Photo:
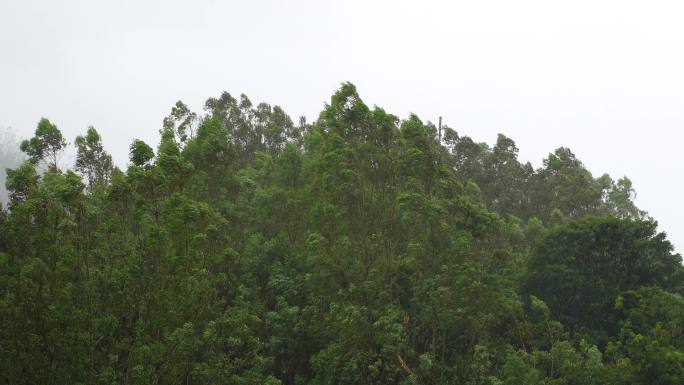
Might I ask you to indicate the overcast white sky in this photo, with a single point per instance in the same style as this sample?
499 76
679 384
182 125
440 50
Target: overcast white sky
605 78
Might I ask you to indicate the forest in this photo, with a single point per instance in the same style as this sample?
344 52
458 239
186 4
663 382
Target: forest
359 248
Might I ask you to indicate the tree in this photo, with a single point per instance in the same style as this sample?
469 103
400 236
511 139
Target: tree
181 122
505 180
648 348
140 153
357 249
20 182
91 158
580 268
46 145
565 184
619 197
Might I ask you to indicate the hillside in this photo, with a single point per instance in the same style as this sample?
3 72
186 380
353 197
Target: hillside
357 249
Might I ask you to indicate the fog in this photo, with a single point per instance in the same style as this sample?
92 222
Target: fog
601 77
10 157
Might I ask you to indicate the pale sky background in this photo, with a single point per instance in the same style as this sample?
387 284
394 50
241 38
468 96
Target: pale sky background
605 78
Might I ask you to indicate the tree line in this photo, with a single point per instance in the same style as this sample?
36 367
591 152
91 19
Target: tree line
357 249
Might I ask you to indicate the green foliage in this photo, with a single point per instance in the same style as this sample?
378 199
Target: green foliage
140 153
180 122
582 266
92 160
358 249
648 349
45 145
562 188
20 182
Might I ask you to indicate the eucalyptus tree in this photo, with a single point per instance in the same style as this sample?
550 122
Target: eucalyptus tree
356 249
92 160
45 146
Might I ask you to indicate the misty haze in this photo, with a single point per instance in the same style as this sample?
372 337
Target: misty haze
319 192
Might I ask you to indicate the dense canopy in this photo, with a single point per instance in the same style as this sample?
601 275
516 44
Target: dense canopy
361 248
